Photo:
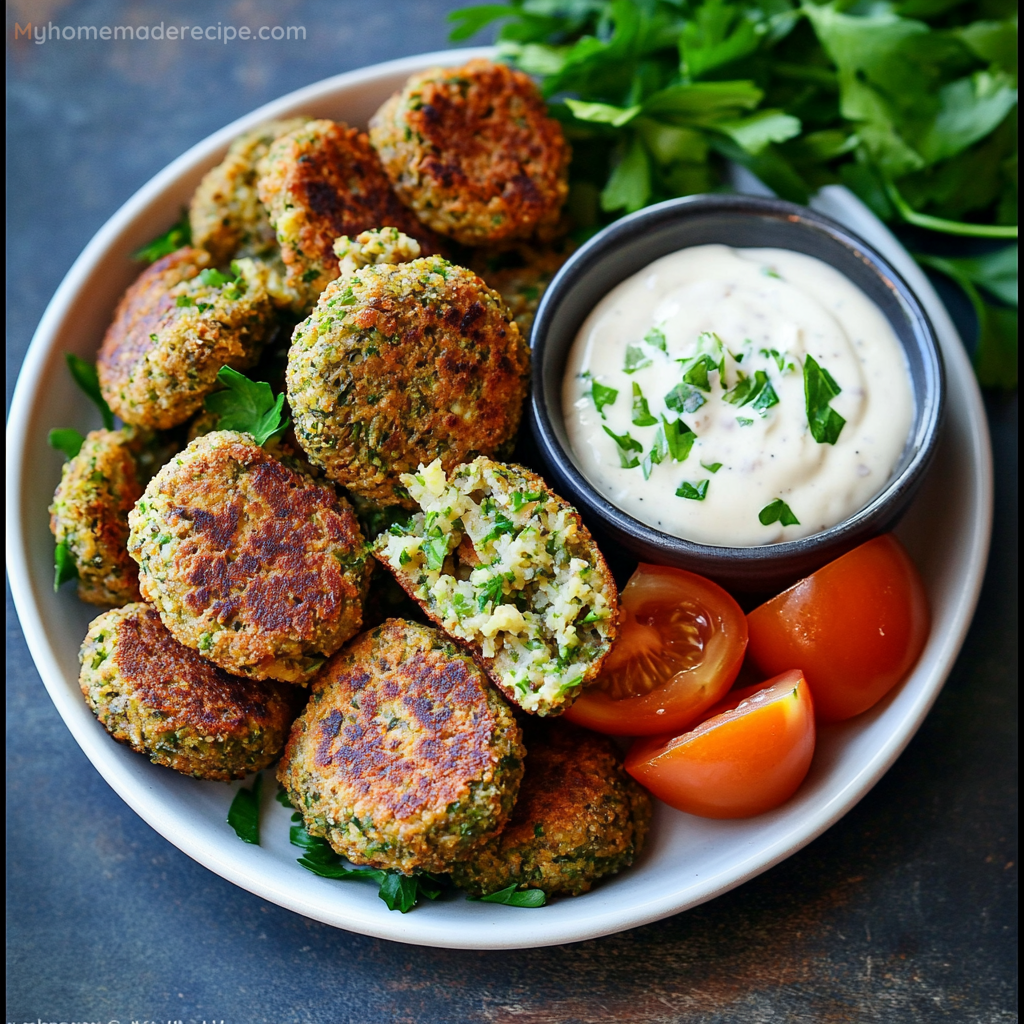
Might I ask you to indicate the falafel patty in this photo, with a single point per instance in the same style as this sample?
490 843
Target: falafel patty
165 701
473 152
405 757
226 215
503 564
249 561
89 514
175 327
579 817
322 181
399 365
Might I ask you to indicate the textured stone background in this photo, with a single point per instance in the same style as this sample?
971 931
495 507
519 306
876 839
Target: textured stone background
904 911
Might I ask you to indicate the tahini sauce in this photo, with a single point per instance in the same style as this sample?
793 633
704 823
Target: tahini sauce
755 301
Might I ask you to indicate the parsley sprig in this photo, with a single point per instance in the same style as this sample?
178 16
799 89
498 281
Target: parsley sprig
85 376
247 406
170 241
244 812
399 892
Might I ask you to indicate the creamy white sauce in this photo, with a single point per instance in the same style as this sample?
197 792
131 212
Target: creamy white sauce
754 301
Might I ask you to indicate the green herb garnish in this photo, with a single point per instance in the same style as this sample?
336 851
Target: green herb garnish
602 396
244 812
170 241
679 438
766 398
64 567
685 398
696 491
744 421
636 359
712 467
66 440
399 892
655 337
819 390
513 897
777 511
626 445
85 376
641 413
248 406
757 390
282 797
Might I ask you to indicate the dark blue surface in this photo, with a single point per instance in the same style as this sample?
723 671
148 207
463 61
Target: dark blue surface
904 911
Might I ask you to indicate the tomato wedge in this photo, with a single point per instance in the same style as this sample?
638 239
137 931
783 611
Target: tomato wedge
746 757
855 627
680 647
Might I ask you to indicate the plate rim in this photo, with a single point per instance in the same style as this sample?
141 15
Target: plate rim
243 866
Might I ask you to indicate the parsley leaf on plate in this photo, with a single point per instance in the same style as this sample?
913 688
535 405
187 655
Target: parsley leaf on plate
244 812
85 376
170 241
64 567
513 897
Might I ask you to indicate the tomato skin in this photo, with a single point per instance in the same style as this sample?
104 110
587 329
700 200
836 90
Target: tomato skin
855 627
683 697
738 761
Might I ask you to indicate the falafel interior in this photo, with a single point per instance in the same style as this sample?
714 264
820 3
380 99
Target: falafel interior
501 562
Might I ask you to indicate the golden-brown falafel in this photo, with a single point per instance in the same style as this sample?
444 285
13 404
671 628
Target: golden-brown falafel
399 365
165 701
226 215
322 181
404 758
248 560
579 817
89 514
175 327
473 152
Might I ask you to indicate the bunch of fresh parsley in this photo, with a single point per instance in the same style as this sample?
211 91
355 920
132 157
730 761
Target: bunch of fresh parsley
910 103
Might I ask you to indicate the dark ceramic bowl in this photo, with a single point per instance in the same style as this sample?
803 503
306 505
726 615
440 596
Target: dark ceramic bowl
633 242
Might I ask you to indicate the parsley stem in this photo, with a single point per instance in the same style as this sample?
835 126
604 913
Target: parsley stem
949 227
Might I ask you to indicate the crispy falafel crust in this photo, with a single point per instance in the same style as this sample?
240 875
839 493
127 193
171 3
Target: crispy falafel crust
226 216
404 757
579 817
322 181
402 364
473 152
89 514
165 701
248 560
159 359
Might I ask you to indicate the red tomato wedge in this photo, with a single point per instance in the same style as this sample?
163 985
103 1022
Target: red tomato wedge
855 628
748 756
680 646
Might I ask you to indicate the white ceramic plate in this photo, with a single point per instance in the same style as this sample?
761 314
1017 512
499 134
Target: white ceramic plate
689 860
